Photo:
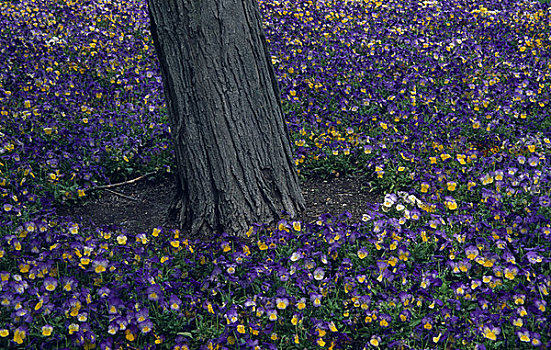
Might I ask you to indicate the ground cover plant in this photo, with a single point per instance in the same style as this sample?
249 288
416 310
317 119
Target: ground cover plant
443 106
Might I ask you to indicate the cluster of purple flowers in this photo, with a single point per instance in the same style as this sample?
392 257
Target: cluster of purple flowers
443 104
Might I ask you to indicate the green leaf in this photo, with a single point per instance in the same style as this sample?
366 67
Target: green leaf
185 334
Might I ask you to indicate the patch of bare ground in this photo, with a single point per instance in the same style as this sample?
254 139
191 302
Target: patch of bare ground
142 205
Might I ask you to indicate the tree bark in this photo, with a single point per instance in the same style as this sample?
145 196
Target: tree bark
234 161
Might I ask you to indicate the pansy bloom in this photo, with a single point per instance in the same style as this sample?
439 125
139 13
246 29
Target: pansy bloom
301 303
175 302
50 284
315 298
154 292
491 332
282 303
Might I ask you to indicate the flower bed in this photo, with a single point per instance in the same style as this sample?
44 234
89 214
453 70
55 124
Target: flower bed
443 106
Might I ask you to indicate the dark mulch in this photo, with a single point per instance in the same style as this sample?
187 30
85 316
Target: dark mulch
336 196
142 206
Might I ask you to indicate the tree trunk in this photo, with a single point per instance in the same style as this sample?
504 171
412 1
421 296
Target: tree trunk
233 152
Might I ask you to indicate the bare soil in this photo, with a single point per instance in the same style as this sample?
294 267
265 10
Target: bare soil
142 205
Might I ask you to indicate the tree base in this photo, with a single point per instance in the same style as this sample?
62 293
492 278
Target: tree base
205 221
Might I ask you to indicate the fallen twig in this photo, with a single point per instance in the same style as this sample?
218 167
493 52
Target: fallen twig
103 187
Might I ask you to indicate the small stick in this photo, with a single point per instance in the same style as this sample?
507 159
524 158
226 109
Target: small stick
120 194
103 187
